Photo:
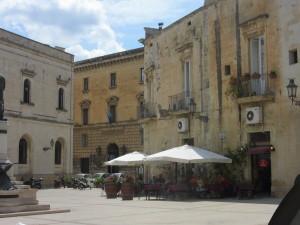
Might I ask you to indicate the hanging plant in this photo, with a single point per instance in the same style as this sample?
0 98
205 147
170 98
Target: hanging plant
234 88
246 77
255 76
273 74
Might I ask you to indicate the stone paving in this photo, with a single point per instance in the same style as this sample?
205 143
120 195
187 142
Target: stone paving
90 207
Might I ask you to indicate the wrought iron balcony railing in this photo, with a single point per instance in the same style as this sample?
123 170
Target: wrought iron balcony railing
181 102
255 87
146 111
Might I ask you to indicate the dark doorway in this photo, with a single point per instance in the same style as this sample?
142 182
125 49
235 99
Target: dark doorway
188 141
112 153
85 165
261 162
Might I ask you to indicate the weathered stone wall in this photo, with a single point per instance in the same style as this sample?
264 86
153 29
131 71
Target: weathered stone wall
212 37
126 131
48 69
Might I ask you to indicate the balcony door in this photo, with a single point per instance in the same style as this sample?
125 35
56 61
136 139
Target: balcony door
187 82
257 63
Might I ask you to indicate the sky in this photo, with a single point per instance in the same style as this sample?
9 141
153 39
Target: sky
90 28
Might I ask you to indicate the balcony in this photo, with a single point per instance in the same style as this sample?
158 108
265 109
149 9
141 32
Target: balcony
146 111
256 90
181 102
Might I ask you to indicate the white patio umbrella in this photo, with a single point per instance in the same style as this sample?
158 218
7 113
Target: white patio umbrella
187 154
130 159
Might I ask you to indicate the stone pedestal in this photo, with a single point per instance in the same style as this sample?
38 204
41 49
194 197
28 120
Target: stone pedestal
22 198
3 139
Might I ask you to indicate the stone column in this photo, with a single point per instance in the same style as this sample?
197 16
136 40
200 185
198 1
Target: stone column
3 140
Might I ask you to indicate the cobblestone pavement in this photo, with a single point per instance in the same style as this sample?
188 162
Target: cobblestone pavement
90 207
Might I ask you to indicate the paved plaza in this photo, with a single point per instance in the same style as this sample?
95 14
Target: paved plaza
90 207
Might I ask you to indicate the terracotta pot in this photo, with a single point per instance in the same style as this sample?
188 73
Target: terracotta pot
273 75
127 191
111 190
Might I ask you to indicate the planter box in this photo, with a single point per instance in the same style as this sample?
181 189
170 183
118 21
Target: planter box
127 191
111 190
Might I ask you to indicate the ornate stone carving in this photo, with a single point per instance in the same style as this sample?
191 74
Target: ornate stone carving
112 100
85 104
28 73
61 81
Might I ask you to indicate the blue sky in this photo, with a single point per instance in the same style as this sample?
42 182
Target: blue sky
90 28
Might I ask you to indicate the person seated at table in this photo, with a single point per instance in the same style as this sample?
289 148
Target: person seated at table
153 180
193 182
161 179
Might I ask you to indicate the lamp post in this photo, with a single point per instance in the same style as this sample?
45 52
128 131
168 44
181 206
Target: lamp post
292 90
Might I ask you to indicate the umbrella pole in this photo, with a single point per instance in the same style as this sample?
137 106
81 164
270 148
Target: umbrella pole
176 165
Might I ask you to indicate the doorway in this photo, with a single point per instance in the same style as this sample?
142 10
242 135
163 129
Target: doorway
112 153
85 165
261 162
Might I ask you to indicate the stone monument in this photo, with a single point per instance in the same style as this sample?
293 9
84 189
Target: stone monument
13 198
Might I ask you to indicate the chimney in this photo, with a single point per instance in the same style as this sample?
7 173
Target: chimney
160 25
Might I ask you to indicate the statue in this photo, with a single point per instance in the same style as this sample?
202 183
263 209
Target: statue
2 87
5 182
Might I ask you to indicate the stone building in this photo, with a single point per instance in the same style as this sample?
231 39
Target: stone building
108 102
217 78
38 107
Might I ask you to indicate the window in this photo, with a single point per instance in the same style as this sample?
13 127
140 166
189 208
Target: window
26 93
61 99
257 55
187 79
58 151
142 75
142 135
85 84
257 66
113 80
84 140
293 56
23 147
112 114
85 116
227 70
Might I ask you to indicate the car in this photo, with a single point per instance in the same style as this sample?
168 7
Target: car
100 175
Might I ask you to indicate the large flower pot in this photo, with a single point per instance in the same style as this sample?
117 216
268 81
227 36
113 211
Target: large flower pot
127 191
111 190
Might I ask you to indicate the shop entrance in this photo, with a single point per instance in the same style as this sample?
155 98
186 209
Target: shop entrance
260 152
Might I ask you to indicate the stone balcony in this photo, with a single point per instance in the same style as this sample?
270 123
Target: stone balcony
254 91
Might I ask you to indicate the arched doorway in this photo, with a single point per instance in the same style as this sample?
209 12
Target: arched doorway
112 153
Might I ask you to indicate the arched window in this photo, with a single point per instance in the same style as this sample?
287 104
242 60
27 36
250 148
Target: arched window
23 147
58 151
26 94
61 98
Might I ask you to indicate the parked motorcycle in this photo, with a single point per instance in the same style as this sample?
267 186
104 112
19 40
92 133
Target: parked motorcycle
34 183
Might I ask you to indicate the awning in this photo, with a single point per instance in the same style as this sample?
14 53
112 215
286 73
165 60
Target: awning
260 149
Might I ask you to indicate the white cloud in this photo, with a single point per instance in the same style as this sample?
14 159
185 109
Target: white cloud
84 27
80 26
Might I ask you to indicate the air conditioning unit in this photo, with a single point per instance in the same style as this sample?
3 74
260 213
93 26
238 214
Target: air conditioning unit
253 115
182 125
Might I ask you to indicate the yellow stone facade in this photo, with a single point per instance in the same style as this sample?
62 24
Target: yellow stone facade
125 93
216 46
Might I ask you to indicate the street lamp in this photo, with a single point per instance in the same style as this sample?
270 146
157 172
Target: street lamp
292 90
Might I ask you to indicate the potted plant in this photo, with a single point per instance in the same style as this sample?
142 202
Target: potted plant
246 77
234 89
111 187
273 74
255 76
127 188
